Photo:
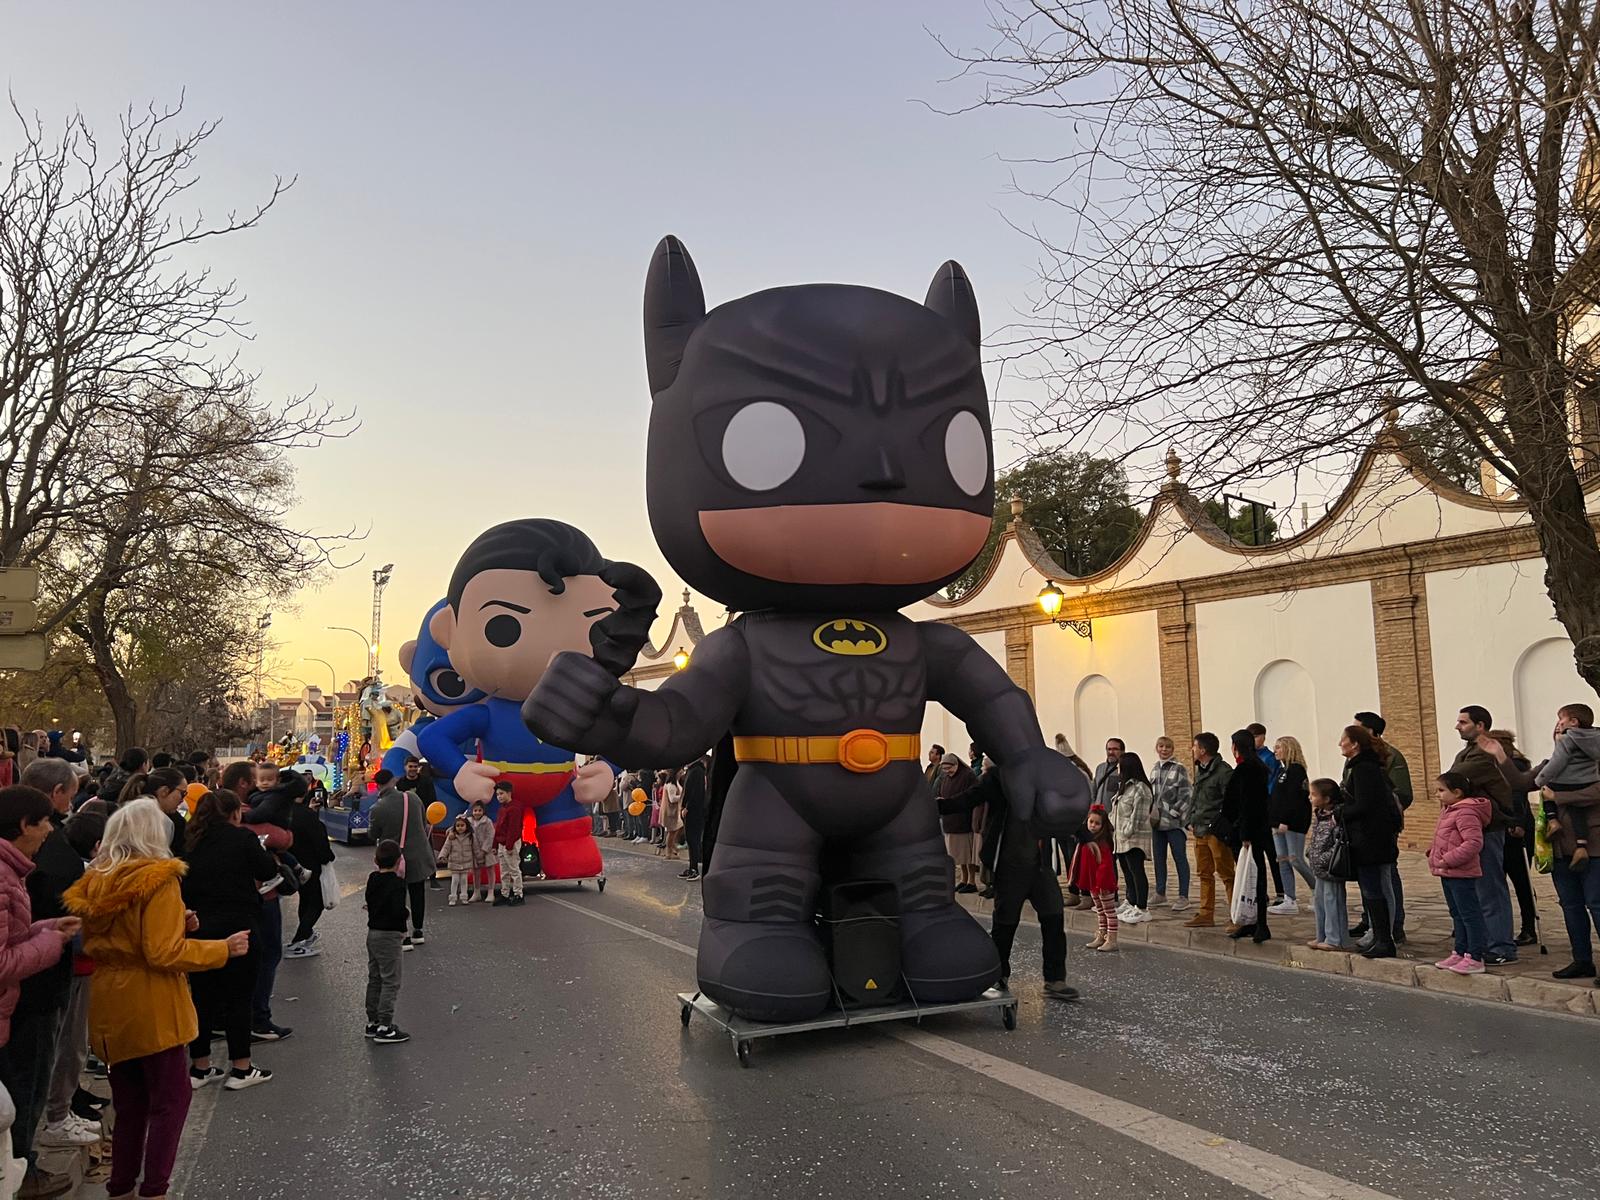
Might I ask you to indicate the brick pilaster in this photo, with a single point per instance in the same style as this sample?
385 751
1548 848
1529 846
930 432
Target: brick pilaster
1405 690
1180 673
1019 657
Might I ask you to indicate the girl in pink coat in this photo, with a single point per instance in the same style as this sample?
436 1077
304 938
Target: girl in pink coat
1453 857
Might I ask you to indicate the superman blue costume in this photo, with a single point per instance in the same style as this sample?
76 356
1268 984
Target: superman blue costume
440 690
540 776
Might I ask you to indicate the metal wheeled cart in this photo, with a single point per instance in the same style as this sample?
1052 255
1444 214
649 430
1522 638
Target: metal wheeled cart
540 883
742 1032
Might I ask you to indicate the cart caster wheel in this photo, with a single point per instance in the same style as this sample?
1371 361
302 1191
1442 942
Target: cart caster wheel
600 883
1008 1016
742 1049
683 1015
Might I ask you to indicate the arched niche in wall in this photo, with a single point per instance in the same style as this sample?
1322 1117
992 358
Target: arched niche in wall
1094 717
1286 703
1544 679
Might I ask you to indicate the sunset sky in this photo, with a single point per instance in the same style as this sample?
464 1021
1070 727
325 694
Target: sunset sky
479 190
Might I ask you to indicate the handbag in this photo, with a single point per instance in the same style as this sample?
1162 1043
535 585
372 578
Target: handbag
1243 908
330 886
1340 864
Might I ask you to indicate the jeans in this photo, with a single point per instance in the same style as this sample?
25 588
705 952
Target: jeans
1579 893
383 974
1517 873
268 940
1212 855
1291 848
1494 897
26 1064
1177 841
1327 898
222 1000
1466 916
151 1096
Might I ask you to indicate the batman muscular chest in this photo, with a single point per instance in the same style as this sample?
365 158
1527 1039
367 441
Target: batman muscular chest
825 673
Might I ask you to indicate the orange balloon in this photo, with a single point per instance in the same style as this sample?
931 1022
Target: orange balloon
637 807
638 797
436 812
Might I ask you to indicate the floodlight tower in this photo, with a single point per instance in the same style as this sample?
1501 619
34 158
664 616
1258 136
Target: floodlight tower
380 580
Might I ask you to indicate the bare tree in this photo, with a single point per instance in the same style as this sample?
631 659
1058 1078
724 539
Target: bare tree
136 454
1283 223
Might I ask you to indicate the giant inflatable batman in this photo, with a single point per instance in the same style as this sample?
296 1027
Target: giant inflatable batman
819 457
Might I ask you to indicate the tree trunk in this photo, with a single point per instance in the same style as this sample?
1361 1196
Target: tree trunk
93 631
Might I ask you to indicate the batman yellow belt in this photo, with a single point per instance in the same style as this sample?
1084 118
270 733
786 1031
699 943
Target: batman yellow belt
861 750
529 768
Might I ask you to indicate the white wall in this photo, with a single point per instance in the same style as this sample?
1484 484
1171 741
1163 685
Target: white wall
939 724
1109 686
1491 629
1245 643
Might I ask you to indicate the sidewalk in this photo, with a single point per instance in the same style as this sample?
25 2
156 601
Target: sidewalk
1526 982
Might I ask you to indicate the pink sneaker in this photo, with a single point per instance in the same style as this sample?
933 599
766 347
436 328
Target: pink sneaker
1468 966
1449 964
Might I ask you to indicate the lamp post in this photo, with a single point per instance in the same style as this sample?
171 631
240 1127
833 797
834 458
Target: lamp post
333 676
365 641
680 660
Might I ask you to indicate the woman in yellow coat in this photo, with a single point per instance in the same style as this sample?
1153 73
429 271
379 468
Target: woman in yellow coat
141 1019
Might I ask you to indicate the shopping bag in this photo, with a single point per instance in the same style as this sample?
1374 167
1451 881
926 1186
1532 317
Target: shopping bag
330 886
1543 853
1243 909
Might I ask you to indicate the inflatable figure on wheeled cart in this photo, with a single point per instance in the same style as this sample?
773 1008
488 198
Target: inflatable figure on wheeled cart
818 458
522 592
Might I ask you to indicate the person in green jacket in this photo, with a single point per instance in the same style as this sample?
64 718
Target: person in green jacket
1213 854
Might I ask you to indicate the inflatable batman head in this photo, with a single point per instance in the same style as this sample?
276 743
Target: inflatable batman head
818 446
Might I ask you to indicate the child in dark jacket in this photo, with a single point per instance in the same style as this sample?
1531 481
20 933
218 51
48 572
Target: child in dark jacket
386 930
1094 871
1453 857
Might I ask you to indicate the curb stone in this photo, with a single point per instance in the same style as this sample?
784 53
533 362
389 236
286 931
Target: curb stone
1481 987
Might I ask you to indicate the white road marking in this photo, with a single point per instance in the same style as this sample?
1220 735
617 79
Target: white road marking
1258 1171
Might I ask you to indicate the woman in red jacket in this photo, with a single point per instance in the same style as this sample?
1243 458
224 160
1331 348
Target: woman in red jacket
1094 872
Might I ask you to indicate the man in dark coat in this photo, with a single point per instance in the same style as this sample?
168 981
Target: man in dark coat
1020 863
694 814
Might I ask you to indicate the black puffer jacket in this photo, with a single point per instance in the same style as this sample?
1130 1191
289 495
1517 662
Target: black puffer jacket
1371 815
1008 843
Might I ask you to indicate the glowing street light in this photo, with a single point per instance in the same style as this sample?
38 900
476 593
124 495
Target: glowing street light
680 660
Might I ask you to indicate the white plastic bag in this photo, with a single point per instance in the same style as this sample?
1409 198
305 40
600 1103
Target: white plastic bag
330 886
1243 909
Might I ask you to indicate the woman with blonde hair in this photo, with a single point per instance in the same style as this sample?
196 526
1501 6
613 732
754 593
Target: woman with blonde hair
141 1019
1289 811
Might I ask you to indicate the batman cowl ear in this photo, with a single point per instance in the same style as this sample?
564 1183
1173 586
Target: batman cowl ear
674 303
950 295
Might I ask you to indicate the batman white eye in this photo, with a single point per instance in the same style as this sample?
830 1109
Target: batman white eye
966 450
763 446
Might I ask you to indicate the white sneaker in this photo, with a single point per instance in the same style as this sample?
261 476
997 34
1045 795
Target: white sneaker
1125 912
1181 905
70 1132
450 903
305 949
255 1075
1143 916
1283 908
468 899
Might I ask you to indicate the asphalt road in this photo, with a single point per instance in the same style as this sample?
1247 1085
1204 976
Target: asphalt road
548 1060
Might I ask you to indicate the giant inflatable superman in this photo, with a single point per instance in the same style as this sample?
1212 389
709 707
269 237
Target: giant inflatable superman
523 592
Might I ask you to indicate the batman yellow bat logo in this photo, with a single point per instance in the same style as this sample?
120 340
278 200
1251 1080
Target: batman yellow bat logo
844 636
